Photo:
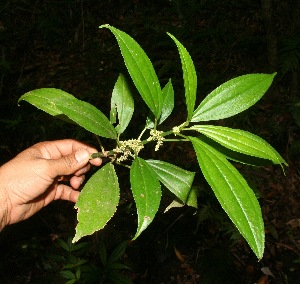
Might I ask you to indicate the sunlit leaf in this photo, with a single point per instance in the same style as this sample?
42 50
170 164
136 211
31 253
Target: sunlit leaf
177 180
146 192
189 77
97 201
240 141
232 97
233 193
123 103
57 102
140 69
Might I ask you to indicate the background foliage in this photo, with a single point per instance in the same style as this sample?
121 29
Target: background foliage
58 44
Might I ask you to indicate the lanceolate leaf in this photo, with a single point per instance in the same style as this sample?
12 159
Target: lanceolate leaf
97 201
47 99
89 117
122 101
57 102
168 101
233 97
146 192
233 193
189 77
240 141
233 155
177 180
168 105
140 69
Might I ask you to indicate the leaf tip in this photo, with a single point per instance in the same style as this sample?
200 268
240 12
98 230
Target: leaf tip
76 238
104 26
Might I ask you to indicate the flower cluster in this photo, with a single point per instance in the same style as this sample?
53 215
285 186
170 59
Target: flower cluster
128 148
176 130
155 135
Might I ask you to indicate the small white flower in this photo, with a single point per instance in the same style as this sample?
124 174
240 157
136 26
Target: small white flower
176 130
128 148
156 135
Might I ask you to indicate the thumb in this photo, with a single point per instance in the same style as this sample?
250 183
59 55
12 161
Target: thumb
71 163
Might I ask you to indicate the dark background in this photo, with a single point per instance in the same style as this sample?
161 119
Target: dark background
58 44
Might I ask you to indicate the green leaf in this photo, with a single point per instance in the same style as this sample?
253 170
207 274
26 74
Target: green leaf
177 180
78 273
189 77
102 252
233 193
168 106
122 102
233 97
97 201
67 274
168 102
192 198
240 141
46 99
235 156
146 192
140 69
63 244
114 277
88 117
71 281
117 253
57 102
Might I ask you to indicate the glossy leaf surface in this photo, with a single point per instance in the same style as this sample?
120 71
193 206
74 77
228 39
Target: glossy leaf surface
140 69
122 102
240 141
189 77
146 192
57 102
177 180
97 201
233 97
232 191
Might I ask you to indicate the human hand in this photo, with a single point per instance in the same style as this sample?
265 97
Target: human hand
37 176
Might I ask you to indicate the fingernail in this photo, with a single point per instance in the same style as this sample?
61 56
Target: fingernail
82 155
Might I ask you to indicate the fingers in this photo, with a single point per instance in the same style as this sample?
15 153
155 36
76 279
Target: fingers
65 192
59 148
68 164
76 182
83 170
66 156
96 162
